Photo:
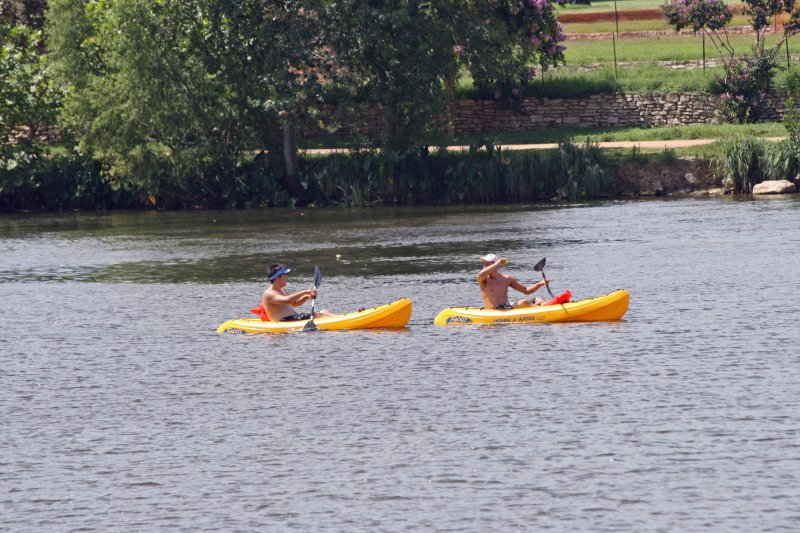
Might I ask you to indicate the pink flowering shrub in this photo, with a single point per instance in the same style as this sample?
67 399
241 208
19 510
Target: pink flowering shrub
534 43
744 88
697 14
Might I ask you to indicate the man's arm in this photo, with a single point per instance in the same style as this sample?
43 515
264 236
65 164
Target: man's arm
301 297
526 289
294 299
491 268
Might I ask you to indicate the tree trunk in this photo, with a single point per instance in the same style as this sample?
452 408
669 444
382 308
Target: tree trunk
291 177
389 128
450 90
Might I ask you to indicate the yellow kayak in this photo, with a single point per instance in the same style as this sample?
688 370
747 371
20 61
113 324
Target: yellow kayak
611 306
393 315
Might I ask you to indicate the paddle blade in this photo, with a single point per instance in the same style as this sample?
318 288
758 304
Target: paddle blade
310 326
538 267
317 277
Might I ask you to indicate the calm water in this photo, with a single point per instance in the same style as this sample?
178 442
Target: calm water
122 410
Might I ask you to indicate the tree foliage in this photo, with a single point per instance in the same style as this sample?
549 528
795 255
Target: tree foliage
503 43
403 55
28 13
166 91
28 102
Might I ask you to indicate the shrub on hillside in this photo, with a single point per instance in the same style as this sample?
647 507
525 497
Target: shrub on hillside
786 156
744 88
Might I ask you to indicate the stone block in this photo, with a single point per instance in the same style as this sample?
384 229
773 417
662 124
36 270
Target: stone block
775 187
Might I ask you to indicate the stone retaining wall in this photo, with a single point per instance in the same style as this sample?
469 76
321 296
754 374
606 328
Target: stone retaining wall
643 110
597 111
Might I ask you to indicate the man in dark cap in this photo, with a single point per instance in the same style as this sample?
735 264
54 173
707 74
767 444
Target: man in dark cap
279 304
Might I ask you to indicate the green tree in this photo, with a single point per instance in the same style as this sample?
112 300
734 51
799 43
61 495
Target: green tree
404 56
399 54
165 92
142 98
169 91
28 102
277 59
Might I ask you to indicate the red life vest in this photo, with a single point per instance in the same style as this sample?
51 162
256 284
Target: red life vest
261 312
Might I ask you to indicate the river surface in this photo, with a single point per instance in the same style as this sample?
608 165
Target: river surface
121 409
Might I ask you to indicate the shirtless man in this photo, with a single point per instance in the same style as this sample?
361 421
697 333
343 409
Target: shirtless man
279 304
494 285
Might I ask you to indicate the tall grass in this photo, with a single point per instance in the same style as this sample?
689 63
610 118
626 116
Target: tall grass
482 174
743 162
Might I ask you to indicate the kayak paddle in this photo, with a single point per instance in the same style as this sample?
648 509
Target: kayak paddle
310 326
539 267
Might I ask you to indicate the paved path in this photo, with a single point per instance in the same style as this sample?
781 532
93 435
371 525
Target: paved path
675 143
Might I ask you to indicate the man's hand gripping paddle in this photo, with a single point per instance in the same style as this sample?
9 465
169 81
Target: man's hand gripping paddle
539 267
310 326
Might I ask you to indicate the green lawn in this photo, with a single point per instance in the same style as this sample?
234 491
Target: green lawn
693 131
649 49
574 82
607 26
599 6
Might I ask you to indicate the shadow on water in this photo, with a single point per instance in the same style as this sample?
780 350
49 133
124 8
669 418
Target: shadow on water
220 247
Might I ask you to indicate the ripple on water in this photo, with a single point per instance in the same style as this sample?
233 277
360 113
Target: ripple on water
123 410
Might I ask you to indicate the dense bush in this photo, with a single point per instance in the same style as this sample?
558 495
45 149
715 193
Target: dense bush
59 182
482 174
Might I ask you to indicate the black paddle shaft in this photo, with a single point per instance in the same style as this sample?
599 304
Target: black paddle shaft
310 326
539 267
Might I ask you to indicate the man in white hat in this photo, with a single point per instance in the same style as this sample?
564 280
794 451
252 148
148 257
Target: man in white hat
494 285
